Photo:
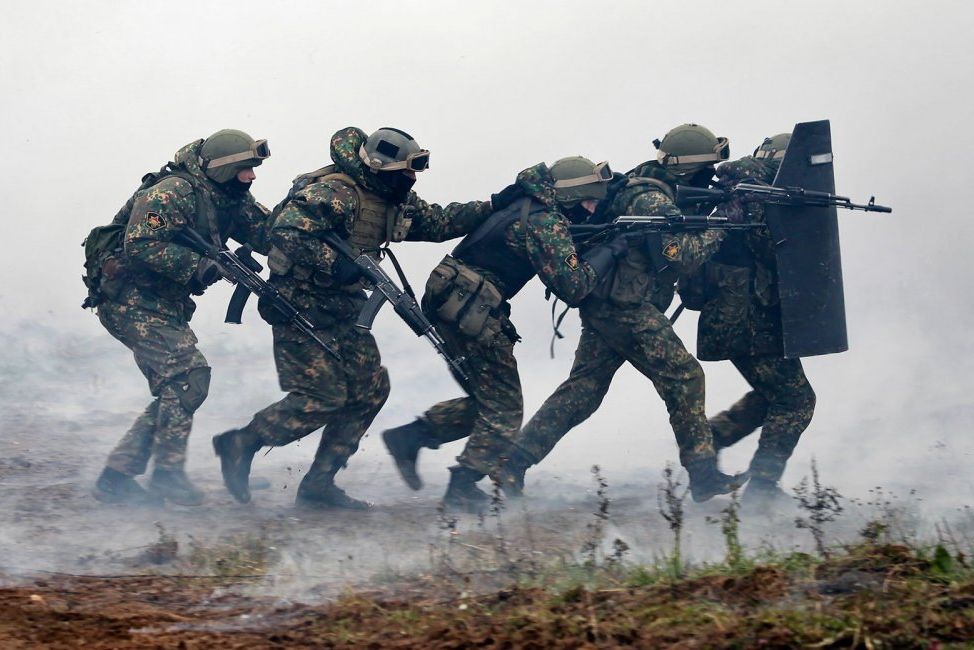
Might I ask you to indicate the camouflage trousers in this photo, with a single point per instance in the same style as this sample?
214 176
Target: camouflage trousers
341 396
612 336
178 375
781 403
491 413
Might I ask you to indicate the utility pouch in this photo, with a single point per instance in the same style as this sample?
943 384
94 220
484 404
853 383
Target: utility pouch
462 289
474 320
631 284
441 279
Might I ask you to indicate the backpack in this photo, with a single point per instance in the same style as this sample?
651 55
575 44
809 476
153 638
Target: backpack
105 243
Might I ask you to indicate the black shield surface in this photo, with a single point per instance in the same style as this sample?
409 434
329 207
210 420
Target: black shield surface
807 249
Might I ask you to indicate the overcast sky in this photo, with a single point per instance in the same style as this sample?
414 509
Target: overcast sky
95 94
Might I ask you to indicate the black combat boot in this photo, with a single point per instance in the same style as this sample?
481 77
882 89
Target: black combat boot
113 486
320 493
510 475
174 485
707 481
236 449
404 444
463 494
764 494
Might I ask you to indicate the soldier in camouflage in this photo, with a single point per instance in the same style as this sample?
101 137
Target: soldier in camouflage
366 197
623 321
740 320
144 302
467 298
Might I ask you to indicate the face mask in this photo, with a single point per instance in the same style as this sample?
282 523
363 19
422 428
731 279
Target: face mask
576 213
398 183
233 187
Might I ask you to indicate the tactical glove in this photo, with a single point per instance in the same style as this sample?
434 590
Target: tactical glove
207 273
344 272
506 196
603 258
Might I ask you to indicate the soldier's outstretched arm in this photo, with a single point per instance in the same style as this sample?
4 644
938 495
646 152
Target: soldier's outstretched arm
158 215
252 226
433 222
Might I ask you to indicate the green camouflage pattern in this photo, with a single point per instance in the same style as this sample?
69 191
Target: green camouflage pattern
741 314
150 305
634 330
492 412
781 402
741 321
155 272
341 396
165 351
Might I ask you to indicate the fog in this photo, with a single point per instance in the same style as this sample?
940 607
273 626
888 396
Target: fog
96 94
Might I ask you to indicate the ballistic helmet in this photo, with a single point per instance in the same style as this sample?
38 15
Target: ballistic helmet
773 148
578 178
390 149
225 153
690 147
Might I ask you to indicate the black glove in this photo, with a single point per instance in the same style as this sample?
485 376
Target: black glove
344 272
603 258
506 196
207 273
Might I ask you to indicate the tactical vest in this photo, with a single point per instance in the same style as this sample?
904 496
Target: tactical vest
487 249
643 273
376 223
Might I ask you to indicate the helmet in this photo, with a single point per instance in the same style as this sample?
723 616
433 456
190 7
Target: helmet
578 178
773 148
390 149
228 151
690 147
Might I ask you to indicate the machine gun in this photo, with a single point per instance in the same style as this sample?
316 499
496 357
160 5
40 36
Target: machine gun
687 195
638 224
242 270
403 302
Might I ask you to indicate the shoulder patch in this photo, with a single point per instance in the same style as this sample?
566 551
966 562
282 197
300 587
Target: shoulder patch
672 251
572 261
154 220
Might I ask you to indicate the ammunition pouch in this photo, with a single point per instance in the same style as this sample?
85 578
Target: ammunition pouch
463 296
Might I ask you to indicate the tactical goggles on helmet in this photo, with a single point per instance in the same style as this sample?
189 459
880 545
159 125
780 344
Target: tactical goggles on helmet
721 152
258 151
767 150
415 162
601 173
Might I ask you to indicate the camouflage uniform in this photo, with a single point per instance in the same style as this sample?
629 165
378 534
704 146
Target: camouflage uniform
740 320
148 304
535 241
624 321
341 396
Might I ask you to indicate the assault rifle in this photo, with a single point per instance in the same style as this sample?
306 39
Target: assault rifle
686 195
404 302
242 270
637 224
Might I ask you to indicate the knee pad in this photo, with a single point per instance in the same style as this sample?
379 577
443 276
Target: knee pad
192 388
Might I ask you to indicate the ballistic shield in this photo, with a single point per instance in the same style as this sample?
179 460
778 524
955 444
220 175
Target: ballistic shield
807 248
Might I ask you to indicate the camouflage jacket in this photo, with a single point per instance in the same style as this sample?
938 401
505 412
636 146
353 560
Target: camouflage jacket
155 273
302 264
650 269
740 316
539 243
